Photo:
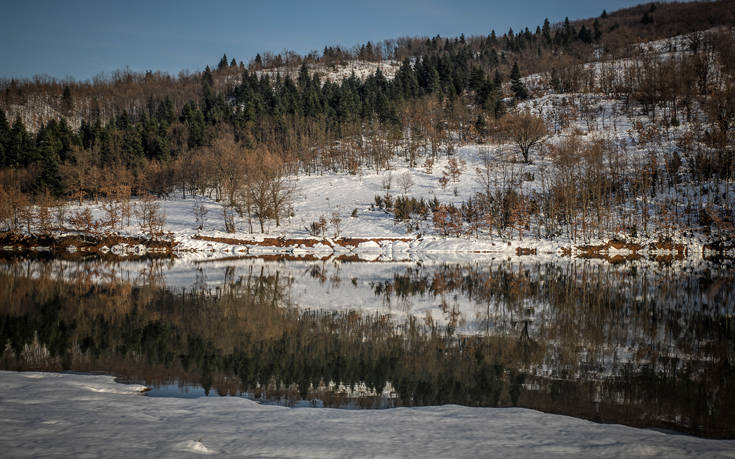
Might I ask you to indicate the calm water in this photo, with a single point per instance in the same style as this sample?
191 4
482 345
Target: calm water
639 344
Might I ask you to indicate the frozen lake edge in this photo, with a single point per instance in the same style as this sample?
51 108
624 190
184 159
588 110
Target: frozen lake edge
62 415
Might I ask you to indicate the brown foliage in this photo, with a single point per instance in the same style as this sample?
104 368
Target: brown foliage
524 130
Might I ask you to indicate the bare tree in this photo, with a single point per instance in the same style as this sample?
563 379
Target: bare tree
281 189
270 191
150 216
45 203
83 222
525 131
200 213
231 166
336 222
405 181
485 175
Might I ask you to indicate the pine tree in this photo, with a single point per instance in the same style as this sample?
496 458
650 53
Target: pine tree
585 35
4 134
303 78
19 150
477 75
497 79
207 78
546 31
222 62
66 100
48 148
596 32
516 85
480 125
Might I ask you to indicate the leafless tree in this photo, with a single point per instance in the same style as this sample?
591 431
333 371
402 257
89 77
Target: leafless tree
405 181
151 218
525 131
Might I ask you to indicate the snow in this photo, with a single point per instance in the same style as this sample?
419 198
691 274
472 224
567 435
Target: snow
72 415
338 72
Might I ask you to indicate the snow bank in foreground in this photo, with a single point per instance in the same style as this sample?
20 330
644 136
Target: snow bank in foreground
64 415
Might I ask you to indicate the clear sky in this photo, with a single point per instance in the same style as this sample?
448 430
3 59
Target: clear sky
82 38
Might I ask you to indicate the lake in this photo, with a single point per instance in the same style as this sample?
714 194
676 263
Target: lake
638 343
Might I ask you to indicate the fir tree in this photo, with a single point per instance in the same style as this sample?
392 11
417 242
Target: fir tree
222 62
4 133
596 32
497 79
66 100
546 31
585 35
516 85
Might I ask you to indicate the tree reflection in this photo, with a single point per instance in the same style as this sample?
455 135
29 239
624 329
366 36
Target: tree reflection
644 346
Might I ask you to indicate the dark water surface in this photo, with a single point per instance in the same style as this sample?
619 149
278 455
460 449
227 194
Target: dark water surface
639 344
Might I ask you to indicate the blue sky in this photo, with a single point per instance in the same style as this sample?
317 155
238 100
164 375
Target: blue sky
83 38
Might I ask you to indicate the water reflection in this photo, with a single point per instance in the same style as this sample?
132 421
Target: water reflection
639 344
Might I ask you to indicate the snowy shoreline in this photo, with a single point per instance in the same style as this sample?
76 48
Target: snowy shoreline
363 248
68 415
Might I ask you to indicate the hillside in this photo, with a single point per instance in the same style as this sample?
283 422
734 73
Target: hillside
40 99
451 150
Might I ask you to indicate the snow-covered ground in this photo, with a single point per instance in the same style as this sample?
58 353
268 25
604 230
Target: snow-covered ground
351 199
69 415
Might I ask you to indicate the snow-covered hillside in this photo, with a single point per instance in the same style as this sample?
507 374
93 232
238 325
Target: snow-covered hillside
338 72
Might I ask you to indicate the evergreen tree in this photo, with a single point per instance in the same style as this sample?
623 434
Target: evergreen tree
4 135
196 129
596 32
546 31
66 101
207 78
303 78
477 75
516 85
48 147
480 125
584 35
222 62
19 151
497 79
